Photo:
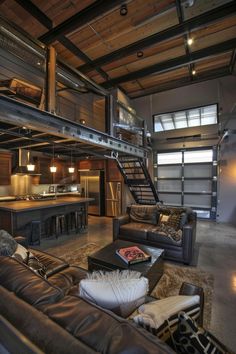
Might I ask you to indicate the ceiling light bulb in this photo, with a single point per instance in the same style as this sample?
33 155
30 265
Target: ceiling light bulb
53 169
193 72
123 10
30 167
190 41
71 169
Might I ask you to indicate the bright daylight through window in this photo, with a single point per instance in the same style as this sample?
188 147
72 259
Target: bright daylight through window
186 119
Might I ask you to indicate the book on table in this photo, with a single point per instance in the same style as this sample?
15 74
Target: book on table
132 255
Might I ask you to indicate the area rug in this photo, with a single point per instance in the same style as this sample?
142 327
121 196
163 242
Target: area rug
170 283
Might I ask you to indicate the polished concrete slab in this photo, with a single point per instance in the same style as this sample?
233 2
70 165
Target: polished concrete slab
216 245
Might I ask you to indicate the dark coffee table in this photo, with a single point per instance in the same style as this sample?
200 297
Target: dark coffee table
107 259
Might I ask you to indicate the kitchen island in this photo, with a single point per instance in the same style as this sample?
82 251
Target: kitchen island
16 216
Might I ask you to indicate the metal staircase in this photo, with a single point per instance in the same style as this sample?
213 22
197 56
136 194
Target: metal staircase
138 179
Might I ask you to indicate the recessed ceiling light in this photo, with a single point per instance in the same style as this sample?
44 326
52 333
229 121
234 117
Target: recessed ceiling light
123 10
193 72
190 41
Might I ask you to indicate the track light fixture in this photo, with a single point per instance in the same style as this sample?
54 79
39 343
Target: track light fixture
140 54
53 168
123 10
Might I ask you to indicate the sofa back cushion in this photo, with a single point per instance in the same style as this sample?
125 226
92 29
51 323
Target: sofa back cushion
29 286
43 332
144 213
101 329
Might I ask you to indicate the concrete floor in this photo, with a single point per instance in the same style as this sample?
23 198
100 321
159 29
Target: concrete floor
216 244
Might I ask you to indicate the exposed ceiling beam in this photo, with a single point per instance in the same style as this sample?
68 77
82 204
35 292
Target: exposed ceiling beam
80 19
34 11
210 75
172 32
174 63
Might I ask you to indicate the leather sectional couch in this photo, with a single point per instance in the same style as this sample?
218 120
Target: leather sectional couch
149 225
50 313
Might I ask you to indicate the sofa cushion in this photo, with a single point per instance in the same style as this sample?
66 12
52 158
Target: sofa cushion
101 329
52 263
135 230
146 214
119 291
29 286
67 278
41 330
160 236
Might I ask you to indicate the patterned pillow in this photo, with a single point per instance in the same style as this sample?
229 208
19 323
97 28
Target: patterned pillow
189 338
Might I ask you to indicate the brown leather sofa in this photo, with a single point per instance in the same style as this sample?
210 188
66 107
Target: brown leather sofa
147 231
52 316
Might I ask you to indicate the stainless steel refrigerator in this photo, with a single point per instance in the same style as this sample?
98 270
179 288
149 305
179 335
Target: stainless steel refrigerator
113 198
92 185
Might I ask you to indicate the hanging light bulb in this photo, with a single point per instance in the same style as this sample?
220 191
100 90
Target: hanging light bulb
53 168
71 169
30 166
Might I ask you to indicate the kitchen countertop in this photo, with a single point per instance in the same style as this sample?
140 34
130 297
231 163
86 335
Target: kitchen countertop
24 205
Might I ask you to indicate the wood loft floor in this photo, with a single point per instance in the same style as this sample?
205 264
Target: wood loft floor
216 245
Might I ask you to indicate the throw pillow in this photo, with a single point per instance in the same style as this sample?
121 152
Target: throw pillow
7 244
22 253
144 213
119 291
189 338
155 313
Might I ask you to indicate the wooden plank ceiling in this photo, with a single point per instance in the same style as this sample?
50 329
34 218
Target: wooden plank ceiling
142 52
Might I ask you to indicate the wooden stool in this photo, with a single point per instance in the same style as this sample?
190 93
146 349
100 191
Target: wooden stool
58 224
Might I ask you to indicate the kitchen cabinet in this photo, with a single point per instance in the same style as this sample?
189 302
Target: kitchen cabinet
91 164
113 173
62 176
6 165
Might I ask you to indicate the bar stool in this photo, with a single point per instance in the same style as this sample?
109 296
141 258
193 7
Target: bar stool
35 232
58 224
75 220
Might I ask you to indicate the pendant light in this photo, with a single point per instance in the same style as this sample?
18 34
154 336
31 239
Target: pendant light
30 166
53 168
71 169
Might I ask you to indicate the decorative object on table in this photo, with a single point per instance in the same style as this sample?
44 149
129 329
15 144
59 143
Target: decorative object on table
119 291
132 255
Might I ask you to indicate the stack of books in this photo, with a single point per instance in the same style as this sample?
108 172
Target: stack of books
132 255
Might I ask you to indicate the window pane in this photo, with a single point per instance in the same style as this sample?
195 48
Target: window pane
198 156
169 171
194 118
184 119
180 120
209 115
169 158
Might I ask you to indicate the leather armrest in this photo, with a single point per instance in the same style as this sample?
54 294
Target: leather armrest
191 289
117 222
189 237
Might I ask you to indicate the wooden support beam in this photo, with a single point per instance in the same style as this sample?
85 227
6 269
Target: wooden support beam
50 102
80 19
175 31
174 63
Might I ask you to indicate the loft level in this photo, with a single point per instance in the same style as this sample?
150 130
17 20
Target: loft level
18 114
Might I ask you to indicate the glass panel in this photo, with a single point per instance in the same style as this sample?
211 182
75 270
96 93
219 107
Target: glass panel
169 158
171 199
169 186
169 171
184 119
167 122
158 126
198 186
200 201
204 214
198 171
198 156
209 115
193 117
